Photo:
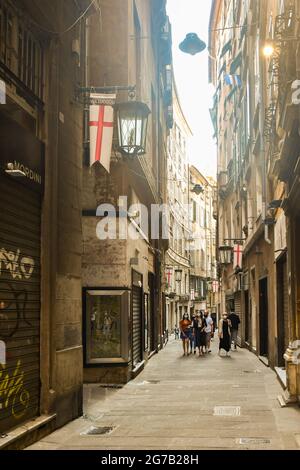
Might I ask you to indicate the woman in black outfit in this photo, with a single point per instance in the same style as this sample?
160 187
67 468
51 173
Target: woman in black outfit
196 332
202 335
224 334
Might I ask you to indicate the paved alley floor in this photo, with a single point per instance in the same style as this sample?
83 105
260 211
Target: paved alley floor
186 403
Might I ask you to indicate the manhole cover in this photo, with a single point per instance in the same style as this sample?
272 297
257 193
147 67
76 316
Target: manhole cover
227 411
253 441
97 431
113 386
149 382
256 371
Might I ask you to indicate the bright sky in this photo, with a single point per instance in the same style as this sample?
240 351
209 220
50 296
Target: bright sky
191 75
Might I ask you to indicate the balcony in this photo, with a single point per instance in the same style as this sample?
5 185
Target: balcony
166 44
226 181
289 110
289 152
222 183
184 298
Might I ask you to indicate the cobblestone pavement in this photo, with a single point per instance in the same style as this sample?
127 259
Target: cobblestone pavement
186 403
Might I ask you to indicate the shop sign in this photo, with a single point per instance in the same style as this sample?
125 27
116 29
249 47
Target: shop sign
21 154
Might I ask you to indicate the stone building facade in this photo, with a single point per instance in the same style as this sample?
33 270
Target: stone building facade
203 274
40 231
256 126
123 315
177 260
50 257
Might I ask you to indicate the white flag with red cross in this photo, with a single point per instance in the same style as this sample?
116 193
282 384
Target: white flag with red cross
101 129
215 287
237 256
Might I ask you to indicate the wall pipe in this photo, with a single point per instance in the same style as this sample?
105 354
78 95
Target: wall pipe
262 129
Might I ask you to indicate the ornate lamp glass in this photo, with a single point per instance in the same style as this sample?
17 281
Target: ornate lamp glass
225 254
132 120
192 44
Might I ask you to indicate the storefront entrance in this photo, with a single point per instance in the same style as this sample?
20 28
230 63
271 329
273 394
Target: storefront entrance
20 240
263 318
137 310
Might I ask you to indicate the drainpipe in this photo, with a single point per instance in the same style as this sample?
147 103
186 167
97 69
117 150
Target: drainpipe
261 130
86 83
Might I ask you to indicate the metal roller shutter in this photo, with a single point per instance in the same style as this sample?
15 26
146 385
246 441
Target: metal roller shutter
20 210
238 311
136 325
285 306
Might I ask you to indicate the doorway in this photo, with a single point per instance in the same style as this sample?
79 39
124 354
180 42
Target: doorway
137 318
263 317
282 311
151 324
247 318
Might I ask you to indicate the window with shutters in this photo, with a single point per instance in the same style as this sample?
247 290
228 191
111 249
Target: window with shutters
21 52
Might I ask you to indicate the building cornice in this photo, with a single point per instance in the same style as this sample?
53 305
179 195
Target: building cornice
177 104
213 21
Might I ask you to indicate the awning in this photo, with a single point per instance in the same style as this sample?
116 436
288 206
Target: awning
230 95
237 62
244 31
222 69
226 48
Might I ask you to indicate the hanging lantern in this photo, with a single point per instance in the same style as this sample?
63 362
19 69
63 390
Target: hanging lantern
192 44
225 254
132 119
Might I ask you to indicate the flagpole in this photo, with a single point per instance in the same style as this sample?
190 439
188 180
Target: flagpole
106 89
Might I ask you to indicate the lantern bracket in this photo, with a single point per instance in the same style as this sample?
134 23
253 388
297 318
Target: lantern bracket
235 240
106 89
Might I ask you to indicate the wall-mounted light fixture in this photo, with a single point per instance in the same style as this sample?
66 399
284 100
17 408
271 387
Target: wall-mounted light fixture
132 118
225 254
197 189
271 46
132 121
11 170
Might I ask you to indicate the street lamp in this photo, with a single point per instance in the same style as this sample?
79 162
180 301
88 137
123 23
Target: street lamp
192 44
225 254
178 275
197 189
132 121
270 46
268 50
132 118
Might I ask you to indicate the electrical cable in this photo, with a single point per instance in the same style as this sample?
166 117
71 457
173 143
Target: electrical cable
234 27
60 33
160 180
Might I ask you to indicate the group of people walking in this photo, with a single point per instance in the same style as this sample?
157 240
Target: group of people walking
197 332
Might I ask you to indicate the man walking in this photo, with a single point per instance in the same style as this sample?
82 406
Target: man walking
208 330
234 327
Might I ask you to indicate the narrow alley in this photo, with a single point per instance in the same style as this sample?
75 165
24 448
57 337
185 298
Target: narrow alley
186 403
